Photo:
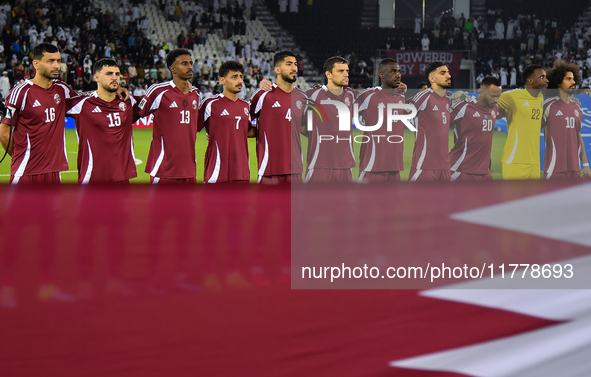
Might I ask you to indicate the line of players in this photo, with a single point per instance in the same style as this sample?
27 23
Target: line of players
36 111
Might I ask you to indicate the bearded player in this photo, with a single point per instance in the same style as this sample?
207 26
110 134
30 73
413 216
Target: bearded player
279 148
562 125
104 125
330 150
36 110
474 122
175 107
381 153
430 157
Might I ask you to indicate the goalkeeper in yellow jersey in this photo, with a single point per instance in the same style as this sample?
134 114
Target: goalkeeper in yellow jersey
523 109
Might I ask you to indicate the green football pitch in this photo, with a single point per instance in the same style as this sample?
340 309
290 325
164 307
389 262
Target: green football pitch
142 140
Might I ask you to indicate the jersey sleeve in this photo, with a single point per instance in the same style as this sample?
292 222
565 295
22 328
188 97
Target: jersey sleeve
546 114
74 105
255 108
204 114
458 111
149 103
14 105
506 102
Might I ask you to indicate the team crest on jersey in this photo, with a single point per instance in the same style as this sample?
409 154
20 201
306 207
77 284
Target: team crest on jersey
142 103
57 98
448 108
194 104
246 111
493 114
299 104
577 113
122 106
185 104
347 101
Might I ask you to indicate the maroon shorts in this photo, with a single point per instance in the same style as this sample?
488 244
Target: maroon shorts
429 175
329 175
457 176
379 176
168 181
564 175
280 179
43 179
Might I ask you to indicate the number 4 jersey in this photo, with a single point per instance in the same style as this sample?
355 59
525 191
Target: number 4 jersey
172 151
279 149
105 141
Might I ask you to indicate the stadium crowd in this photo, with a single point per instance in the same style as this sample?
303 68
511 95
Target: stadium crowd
85 36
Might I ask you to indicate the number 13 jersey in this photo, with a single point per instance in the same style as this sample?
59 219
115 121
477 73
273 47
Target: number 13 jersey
172 151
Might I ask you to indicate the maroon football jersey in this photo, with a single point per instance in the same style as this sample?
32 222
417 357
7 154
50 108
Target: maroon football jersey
279 149
381 150
105 139
227 123
431 149
172 151
473 134
329 148
563 125
38 116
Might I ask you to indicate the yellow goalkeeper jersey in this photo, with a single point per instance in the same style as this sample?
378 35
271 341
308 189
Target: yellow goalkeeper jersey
524 124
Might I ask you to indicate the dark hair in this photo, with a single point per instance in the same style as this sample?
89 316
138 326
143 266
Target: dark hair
558 72
231 65
421 84
42 48
330 62
529 70
105 62
490 80
171 57
281 55
432 67
386 62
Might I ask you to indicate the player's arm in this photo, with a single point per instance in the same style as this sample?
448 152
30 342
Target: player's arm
5 136
122 94
504 105
583 157
266 85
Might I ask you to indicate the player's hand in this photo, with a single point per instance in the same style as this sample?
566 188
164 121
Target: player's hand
266 85
402 88
459 96
586 172
122 94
